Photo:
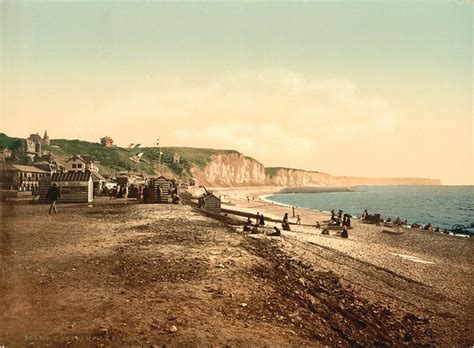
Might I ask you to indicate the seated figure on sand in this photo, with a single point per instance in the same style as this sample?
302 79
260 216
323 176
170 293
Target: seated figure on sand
344 233
364 215
275 233
285 225
254 230
176 199
248 225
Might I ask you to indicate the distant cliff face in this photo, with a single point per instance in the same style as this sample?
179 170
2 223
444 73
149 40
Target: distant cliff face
238 170
290 177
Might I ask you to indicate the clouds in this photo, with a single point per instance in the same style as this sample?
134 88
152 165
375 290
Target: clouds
255 112
277 116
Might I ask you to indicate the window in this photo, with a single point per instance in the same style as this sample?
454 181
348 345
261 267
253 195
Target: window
79 165
74 165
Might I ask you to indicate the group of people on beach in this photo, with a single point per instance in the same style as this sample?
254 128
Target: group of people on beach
340 219
378 220
259 222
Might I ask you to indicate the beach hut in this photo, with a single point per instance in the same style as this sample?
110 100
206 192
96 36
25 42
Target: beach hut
76 187
159 190
99 182
165 185
210 202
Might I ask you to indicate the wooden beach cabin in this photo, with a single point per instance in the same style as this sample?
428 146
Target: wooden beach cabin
210 202
159 190
165 186
75 187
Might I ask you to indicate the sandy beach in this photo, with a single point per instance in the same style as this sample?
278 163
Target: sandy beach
426 273
118 273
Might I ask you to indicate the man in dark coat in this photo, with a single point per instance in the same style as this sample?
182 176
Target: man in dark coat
53 196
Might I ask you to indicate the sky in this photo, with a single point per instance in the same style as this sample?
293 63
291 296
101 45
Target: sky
373 88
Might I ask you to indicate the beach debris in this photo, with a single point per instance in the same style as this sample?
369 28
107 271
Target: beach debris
243 304
173 329
103 331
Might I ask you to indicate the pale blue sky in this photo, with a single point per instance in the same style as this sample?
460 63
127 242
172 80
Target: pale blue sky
80 58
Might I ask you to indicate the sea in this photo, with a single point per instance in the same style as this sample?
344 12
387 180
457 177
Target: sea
442 206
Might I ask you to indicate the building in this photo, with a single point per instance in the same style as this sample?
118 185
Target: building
176 158
192 182
21 178
46 140
82 164
159 190
76 187
208 201
99 183
5 155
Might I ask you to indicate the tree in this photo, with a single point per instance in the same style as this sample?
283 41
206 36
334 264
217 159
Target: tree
107 141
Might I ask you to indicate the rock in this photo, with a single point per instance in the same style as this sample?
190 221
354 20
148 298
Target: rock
103 331
173 329
243 304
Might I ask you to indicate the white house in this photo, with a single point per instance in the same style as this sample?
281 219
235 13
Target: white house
81 164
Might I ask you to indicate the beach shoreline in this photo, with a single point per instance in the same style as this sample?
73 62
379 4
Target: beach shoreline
424 257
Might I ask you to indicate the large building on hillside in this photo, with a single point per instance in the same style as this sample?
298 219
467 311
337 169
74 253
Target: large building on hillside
27 150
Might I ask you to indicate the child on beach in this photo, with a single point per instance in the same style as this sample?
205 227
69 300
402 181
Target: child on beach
298 220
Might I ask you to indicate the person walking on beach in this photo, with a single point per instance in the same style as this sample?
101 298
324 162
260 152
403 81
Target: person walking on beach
298 220
53 196
257 219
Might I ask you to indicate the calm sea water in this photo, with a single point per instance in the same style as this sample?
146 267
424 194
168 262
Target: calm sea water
442 206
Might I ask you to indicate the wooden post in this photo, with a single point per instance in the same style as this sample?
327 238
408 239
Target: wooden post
293 211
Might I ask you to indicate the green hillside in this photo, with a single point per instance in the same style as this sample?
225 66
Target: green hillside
115 159
7 142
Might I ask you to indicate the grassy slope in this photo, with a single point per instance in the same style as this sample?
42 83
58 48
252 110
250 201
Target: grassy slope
114 159
6 141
